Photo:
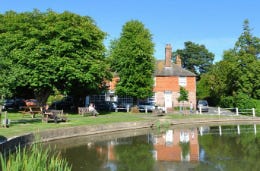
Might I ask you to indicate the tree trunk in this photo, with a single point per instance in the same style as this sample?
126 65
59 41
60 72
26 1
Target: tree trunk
42 95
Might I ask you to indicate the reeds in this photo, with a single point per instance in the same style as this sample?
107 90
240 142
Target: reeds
33 158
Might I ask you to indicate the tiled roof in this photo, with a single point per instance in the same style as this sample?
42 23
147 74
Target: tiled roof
174 70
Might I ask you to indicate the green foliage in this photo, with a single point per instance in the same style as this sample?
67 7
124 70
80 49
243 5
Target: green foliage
142 160
243 101
34 158
237 73
185 147
195 57
227 102
247 43
44 51
183 95
132 58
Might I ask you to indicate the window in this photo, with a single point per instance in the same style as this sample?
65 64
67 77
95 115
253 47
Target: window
182 81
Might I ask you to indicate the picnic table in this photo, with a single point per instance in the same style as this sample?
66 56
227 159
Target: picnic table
32 110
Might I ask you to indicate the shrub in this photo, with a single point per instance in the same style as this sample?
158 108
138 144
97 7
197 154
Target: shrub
243 101
135 109
227 102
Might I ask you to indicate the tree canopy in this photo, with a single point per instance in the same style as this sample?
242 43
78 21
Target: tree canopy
237 75
195 58
41 51
132 59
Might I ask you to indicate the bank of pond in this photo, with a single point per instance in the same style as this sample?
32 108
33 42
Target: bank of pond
198 147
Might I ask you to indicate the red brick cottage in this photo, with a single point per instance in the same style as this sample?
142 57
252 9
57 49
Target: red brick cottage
168 79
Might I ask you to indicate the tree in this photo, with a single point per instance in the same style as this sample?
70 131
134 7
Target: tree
48 50
247 43
132 58
183 96
195 58
237 75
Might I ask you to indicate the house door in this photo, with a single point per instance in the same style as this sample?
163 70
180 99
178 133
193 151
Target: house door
168 99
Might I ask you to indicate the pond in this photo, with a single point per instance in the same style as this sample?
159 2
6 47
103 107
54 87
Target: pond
205 148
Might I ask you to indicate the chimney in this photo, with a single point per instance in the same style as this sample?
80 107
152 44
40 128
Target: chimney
178 60
168 55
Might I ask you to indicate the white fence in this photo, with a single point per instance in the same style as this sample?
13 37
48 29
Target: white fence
234 111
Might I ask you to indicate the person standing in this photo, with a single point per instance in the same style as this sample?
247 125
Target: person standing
191 107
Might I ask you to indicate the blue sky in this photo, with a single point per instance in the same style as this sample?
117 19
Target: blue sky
215 24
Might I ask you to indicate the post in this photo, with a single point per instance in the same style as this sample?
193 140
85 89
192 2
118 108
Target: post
253 110
218 110
200 109
237 111
220 130
145 109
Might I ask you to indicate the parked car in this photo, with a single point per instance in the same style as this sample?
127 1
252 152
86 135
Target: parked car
111 106
8 104
203 106
66 103
143 106
15 103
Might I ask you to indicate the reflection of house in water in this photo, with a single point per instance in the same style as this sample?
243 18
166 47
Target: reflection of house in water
174 149
168 146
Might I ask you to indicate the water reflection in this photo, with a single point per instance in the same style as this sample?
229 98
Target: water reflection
232 147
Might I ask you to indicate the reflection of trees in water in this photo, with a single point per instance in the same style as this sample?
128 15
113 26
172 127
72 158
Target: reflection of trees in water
185 147
137 157
232 151
88 158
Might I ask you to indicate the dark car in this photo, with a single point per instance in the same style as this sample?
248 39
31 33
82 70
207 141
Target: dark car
13 103
66 103
111 106
203 106
9 104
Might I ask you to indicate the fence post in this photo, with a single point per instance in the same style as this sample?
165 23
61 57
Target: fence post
218 110
145 109
253 110
200 109
236 111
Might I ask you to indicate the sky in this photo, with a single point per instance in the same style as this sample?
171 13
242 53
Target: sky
215 24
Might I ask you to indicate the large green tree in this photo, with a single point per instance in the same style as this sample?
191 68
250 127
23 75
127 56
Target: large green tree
41 51
247 43
237 74
195 58
132 58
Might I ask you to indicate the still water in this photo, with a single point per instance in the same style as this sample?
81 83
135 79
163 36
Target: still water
204 148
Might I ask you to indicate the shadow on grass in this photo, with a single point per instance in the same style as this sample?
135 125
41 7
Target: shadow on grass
27 120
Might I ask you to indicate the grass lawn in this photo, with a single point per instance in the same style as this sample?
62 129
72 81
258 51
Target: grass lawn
25 124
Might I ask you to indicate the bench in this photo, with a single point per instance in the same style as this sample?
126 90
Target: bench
32 110
54 116
84 111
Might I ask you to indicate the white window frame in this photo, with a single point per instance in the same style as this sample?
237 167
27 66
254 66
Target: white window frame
183 81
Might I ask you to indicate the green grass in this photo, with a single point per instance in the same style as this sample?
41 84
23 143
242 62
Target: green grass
25 124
